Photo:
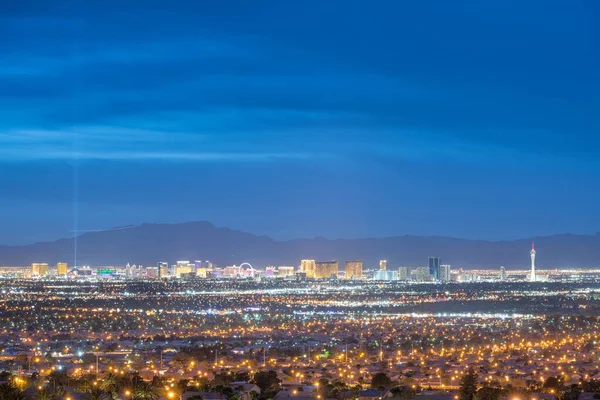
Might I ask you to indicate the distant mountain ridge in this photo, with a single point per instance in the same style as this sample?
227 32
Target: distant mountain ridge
148 244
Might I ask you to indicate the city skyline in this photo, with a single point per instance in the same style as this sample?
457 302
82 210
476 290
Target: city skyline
305 269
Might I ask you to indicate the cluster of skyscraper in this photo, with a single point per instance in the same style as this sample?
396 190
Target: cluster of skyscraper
42 269
202 269
311 269
439 272
354 271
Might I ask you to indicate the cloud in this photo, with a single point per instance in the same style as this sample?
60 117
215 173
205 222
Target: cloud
252 81
122 144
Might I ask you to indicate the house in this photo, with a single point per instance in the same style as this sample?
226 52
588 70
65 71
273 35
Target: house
203 395
245 387
544 396
435 396
370 394
297 395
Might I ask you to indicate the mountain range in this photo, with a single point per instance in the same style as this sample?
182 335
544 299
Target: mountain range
149 243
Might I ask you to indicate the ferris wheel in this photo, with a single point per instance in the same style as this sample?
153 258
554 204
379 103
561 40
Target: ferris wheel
246 269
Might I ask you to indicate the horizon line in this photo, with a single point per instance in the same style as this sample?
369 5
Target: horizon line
133 226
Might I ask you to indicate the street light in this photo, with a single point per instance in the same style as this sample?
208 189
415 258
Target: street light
173 394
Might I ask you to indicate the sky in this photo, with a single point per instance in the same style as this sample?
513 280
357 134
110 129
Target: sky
338 118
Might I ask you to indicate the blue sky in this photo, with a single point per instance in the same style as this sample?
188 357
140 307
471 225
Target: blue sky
474 119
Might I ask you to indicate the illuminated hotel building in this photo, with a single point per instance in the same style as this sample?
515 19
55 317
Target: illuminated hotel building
284 271
385 275
183 267
202 272
39 269
162 269
231 271
354 269
502 274
383 265
61 268
309 268
326 269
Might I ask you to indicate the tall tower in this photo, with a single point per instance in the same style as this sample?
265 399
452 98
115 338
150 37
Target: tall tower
434 267
354 269
61 268
532 262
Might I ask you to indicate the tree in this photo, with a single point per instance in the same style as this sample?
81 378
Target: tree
145 391
468 384
340 387
220 389
552 385
58 378
236 396
85 386
267 381
110 383
488 393
44 394
572 392
10 392
96 394
59 392
381 381
402 393
157 381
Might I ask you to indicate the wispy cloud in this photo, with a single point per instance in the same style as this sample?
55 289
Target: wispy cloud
97 143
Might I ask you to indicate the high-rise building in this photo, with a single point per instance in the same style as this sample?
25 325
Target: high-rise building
502 274
326 269
445 273
532 277
231 271
309 268
61 268
162 269
201 272
422 274
404 273
354 269
39 269
183 267
285 271
203 269
468 277
382 265
385 275
434 267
